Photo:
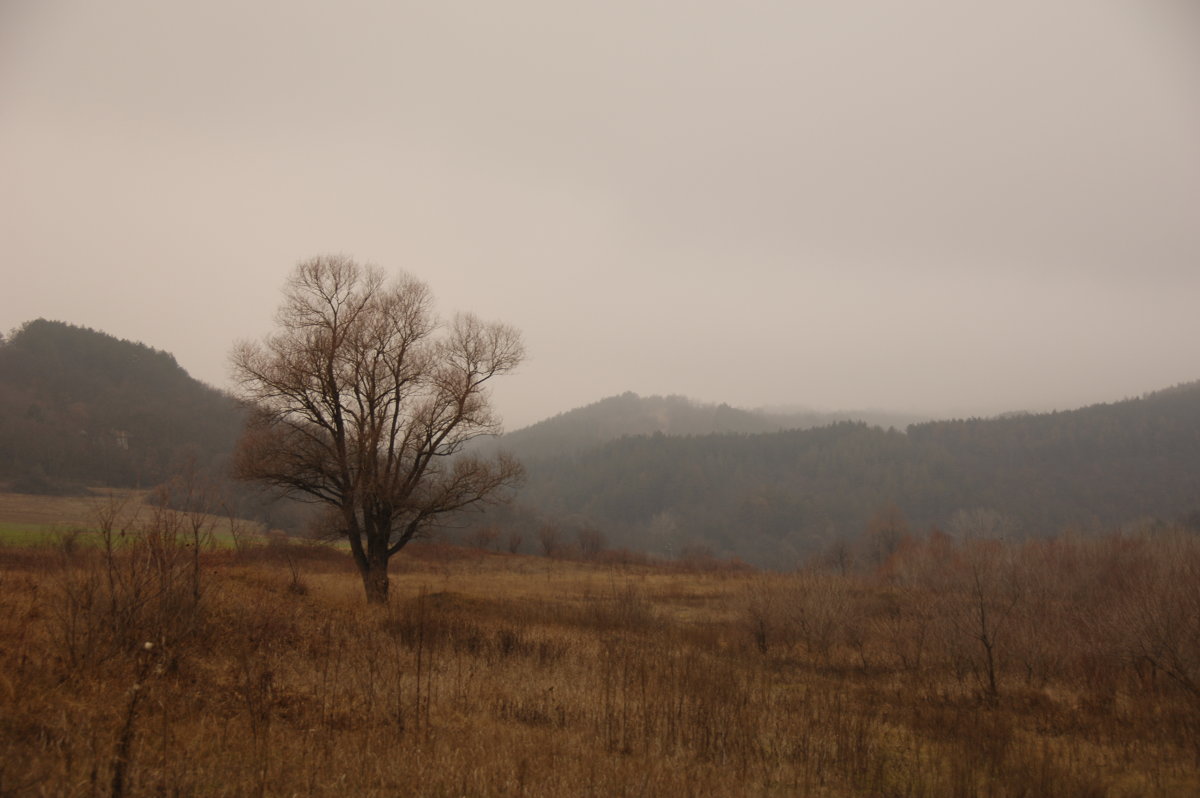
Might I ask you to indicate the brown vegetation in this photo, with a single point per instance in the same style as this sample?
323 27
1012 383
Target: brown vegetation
1065 668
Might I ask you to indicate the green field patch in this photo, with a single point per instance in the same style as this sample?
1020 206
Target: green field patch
14 534
17 534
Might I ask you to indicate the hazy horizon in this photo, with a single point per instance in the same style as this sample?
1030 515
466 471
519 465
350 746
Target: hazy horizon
924 208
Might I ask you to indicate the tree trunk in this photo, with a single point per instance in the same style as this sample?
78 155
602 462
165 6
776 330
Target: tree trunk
993 690
375 580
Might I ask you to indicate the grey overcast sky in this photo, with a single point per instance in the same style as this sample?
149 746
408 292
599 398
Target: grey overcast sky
947 206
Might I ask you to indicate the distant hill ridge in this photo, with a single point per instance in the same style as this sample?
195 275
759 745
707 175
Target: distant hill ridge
627 414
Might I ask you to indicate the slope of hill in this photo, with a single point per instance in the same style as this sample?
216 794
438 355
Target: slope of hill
772 498
78 407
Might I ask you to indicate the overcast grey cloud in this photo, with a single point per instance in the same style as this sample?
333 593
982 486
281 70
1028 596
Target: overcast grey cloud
932 205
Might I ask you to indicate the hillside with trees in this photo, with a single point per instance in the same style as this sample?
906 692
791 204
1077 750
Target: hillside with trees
776 498
81 408
663 475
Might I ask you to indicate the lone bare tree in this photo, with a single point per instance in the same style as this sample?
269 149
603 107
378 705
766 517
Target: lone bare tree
362 400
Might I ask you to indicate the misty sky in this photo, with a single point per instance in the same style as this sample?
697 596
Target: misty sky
935 205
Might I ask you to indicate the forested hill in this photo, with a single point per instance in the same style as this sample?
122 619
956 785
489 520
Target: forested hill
583 428
773 498
80 407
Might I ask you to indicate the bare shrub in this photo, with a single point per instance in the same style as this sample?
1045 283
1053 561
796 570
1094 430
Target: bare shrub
550 539
764 616
514 541
483 537
622 607
591 542
140 586
1160 616
804 612
820 611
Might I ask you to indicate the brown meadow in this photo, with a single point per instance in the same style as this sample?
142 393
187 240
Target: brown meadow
1065 668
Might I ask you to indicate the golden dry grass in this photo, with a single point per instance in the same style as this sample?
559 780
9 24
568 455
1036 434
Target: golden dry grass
491 675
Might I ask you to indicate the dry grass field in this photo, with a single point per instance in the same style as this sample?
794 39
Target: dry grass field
1066 668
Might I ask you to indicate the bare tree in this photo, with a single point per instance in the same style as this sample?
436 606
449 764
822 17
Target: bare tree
483 537
985 590
363 401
